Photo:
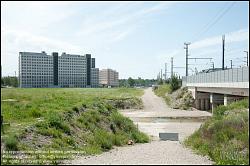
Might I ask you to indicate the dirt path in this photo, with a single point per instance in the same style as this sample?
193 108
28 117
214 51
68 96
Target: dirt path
154 118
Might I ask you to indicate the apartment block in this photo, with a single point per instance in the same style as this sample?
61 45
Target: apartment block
108 77
39 70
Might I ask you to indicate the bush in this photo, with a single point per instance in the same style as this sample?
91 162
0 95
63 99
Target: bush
11 143
119 139
174 83
139 137
123 123
104 139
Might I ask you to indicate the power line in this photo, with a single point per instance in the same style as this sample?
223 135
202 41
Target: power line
211 20
216 20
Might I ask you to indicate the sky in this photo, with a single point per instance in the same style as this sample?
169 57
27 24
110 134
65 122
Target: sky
134 38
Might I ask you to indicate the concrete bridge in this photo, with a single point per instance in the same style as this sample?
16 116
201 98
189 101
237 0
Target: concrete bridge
219 87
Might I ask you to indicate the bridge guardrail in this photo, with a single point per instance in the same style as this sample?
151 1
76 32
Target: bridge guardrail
222 76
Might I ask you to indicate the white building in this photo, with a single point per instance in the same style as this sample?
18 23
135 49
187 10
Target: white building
108 77
37 70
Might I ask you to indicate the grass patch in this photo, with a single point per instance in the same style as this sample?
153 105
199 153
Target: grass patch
11 143
69 119
162 90
224 137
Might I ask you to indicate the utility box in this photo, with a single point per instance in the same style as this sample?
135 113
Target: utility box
169 136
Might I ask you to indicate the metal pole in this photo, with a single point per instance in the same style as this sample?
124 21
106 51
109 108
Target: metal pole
172 67
231 64
161 74
165 71
223 51
247 56
186 44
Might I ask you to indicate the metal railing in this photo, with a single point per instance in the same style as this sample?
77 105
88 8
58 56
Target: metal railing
222 76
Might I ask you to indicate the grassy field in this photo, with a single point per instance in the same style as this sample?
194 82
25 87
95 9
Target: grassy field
224 137
86 120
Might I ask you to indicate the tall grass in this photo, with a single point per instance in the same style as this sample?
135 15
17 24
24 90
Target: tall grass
224 137
162 90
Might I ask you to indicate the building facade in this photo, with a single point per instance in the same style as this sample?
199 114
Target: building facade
108 77
39 70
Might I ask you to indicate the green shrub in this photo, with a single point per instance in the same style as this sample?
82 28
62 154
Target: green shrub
119 139
122 123
103 138
139 137
11 143
174 83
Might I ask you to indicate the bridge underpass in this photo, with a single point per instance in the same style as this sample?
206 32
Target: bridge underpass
220 87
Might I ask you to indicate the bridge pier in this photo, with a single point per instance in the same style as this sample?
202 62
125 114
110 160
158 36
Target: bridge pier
225 100
202 104
208 100
201 100
230 98
207 104
216 99
198 104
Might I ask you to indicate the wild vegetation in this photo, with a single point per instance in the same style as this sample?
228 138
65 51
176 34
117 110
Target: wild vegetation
179 98
85 120
224 137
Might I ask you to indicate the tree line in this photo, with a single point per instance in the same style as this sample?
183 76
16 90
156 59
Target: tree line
139 82
9 81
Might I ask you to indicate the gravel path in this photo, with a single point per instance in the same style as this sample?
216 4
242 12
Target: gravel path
155 152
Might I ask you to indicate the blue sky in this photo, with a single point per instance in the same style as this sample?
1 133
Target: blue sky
134 38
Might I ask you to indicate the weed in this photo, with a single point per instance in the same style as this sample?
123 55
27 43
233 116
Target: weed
11 143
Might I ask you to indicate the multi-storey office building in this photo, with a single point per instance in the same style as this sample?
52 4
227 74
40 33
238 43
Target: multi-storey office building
37 70
108 77
94 77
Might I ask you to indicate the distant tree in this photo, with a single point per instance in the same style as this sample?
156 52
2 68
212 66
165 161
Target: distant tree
174 83
160 81
131 82
9 81
123 83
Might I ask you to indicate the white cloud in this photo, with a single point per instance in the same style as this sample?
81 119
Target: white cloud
29 40
116 22
236 36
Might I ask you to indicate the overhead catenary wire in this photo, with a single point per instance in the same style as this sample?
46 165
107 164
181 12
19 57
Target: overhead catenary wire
215 19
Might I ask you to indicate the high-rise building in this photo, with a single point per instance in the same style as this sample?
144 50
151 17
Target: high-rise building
94 77
108 77
38 70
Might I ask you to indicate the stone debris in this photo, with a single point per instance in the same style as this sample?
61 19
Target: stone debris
130 142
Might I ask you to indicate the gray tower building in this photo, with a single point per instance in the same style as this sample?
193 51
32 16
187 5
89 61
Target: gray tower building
37 70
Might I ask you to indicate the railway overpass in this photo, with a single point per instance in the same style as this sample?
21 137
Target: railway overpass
218 87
